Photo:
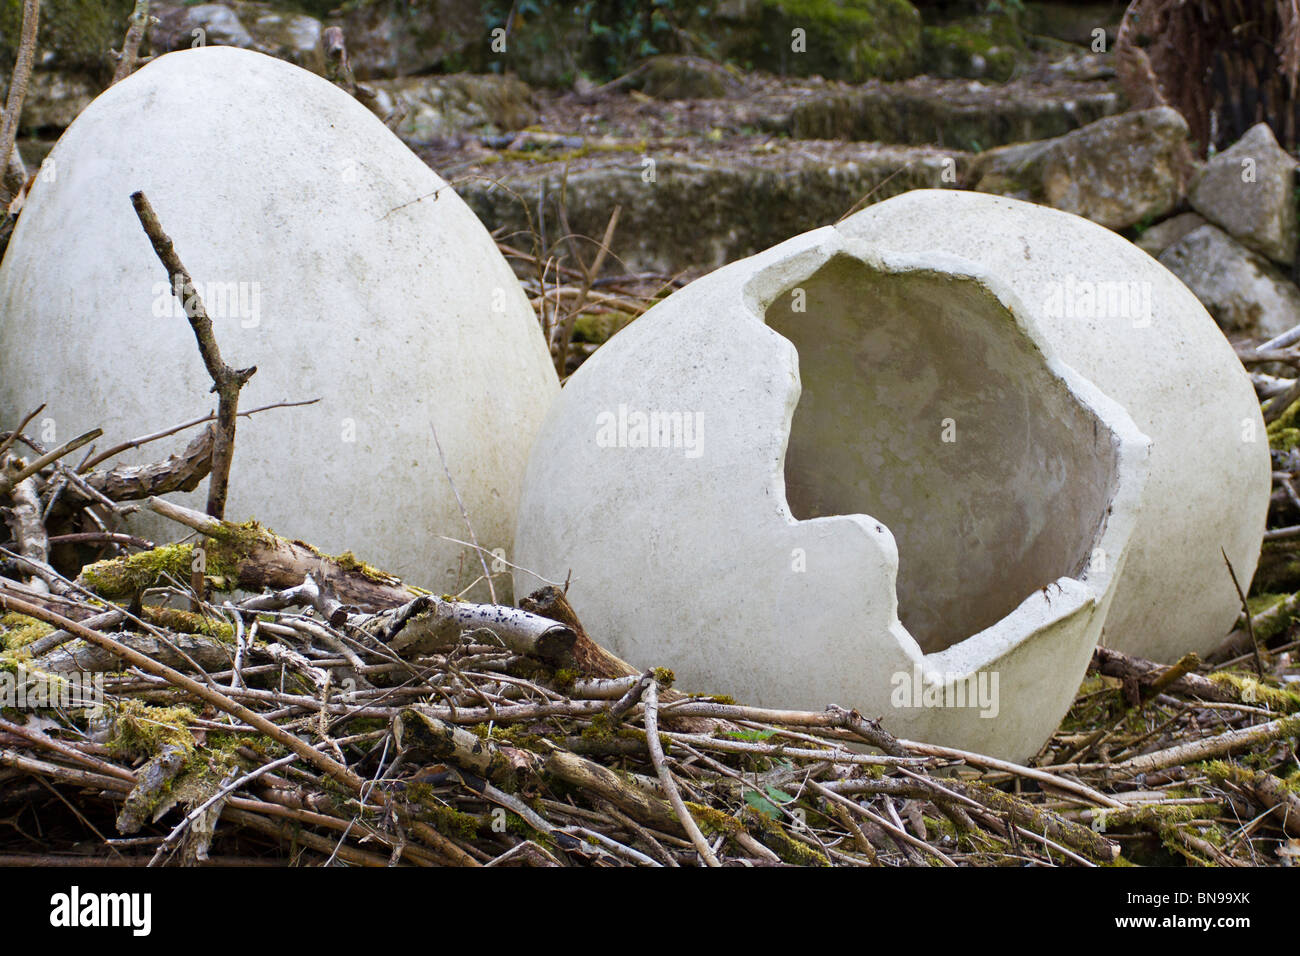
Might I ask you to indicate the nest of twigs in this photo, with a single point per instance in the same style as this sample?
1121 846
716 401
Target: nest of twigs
336 716
255 701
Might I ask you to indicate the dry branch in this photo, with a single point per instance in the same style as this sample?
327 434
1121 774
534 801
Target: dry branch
226 381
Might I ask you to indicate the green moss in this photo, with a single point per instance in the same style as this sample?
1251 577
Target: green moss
1258 603
76 34
782 844
603 728
1226 771
600 328
853 40
953 49
1268 616
1154 816
513 734
188 622
714 822
1251 690
128 576
1283 439
141 730
1284 432
545 154
119 578
18 630
444 819
664 677
349 562
685 78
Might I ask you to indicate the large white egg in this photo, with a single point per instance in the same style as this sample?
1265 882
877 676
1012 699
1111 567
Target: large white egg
827 475
332 258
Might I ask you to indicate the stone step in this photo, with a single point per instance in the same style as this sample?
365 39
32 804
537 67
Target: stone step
954 114
698 211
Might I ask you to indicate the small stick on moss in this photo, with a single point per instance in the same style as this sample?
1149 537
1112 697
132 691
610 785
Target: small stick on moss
1245 610
218 700
1113 663
1174 673
1207 748
666 778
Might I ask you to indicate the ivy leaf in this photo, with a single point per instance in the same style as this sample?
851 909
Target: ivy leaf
780 796
762 804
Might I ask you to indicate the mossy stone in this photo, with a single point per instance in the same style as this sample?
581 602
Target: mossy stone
985 47
79 33
853 40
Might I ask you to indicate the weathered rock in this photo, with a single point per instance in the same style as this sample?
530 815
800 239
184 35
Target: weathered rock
263 27
208 24
283 34
1244 292
700 213
1162 235
390 38
1116 171
444 105
1249 191
54 98
966 116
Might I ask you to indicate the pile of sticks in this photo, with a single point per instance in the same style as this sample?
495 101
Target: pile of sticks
336 716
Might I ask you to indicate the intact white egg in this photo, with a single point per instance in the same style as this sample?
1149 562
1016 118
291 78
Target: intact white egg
329 256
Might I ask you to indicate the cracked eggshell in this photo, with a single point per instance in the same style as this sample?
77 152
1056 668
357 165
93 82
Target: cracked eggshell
1159 354
753 485
332 258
